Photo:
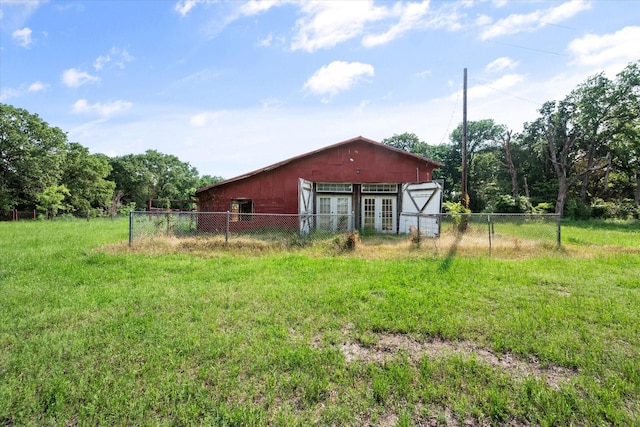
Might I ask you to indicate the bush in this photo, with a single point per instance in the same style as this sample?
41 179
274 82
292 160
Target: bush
575 209
506 203
617 209
457 210
543 208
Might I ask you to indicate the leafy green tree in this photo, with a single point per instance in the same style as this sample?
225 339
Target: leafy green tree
85 177
582 134
603 110
483 136
31 157
408 142
152 175
625 144
52 200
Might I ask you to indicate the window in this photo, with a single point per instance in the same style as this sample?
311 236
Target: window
333 187
379 188
240 208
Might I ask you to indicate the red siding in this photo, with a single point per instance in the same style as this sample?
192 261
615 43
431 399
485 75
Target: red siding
276 190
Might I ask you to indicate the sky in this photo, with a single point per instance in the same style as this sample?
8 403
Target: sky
233 86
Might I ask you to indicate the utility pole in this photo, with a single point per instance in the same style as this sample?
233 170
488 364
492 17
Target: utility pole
465 195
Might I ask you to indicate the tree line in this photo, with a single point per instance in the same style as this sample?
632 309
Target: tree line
40 169
579 158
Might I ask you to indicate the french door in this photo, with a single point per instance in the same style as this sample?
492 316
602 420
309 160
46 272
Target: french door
379 213
334 213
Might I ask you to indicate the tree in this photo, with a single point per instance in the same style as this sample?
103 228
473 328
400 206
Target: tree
505 141
85 177
406 141
31 157
483 136
626 142
599 116
152 175
51 200
561 136
581 133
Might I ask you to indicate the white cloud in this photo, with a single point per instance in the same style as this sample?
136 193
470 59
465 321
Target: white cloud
105 110
7 93
254 7
116 56
266 42
100 62
327 23
37 87
76 78
184 6
337 77
270 104
500 64
614 50
518 23
205 119
489 89
23 37
410 16
15 13
483 20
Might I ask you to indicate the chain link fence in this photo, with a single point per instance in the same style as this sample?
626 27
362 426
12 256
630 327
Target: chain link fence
461 230
489 230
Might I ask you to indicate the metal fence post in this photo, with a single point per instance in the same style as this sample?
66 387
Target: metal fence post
558 231
418 236
130 228
489 227
226 230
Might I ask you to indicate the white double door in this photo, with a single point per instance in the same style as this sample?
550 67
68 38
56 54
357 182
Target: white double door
334 213
379 213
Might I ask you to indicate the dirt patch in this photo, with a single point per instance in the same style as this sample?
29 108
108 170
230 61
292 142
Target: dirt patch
389 346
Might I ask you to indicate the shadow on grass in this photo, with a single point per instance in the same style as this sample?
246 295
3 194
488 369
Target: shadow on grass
446 263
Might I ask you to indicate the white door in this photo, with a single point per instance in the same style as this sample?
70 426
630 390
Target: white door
379 213
334 213
421 201
305 205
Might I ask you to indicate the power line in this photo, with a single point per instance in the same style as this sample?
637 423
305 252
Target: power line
534 49
455 104
510 94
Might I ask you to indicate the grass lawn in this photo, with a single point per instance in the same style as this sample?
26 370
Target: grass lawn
95 333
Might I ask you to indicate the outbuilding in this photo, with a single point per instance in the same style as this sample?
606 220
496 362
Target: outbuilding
358 183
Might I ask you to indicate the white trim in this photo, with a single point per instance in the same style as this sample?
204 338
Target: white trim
334 187
379 188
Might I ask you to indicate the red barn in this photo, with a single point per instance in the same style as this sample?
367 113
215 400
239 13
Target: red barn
372 183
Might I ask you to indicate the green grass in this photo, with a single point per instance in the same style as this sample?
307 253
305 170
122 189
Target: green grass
94 333
603 233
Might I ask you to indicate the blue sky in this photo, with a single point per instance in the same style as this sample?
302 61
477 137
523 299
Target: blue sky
231 86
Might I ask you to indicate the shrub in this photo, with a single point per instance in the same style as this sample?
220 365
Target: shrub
506 203
575 209
616 209
543 208
457 210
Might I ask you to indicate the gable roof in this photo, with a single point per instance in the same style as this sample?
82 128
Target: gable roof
312 153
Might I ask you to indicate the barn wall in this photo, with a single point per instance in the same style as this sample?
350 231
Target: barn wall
276 191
